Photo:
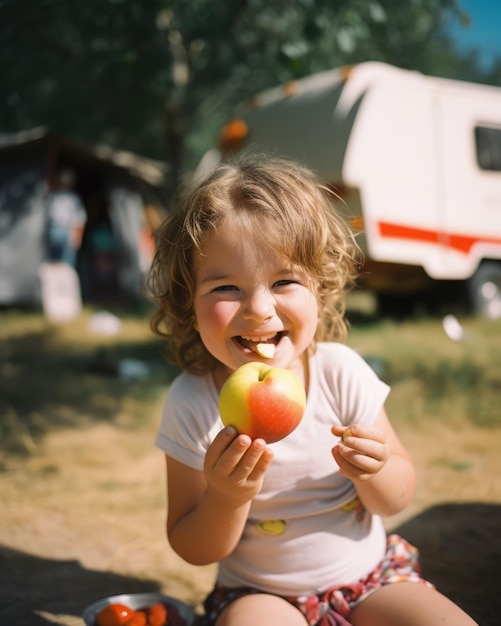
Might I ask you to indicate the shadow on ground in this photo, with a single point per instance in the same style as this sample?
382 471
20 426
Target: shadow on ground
46 385
30 585
460 546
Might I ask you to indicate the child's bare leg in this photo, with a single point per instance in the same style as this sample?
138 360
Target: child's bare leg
262 609
408 604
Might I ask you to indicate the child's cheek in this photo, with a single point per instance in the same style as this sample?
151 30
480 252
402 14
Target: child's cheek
223 314
217 317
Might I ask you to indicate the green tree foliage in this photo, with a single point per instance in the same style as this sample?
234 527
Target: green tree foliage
92 69
159 76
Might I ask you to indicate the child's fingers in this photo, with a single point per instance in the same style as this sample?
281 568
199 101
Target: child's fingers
355 465
367 462
226 450
236 456
254 462
360 431
366 447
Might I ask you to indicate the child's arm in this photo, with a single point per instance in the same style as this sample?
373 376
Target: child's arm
207 510
374 458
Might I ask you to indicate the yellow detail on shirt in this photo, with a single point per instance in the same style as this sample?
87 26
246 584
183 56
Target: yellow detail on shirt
352 504
271 526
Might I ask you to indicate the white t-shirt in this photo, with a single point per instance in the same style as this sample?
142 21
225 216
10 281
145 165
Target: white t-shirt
306 530
65 209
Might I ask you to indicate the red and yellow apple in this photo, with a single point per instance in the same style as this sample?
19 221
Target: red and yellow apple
262 401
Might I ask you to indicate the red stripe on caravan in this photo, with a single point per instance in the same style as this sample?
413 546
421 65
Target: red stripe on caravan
463 243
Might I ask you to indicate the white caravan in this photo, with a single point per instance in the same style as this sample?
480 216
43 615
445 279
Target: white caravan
417 160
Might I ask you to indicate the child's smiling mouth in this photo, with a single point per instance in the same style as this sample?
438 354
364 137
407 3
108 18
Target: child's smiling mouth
263 346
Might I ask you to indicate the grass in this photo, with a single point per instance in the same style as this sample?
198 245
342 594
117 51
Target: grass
54 376
433 376
66 375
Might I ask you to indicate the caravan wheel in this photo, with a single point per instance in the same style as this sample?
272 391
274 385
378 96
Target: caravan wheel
484 289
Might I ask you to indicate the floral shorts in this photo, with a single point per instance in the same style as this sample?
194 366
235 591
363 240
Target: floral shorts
334 606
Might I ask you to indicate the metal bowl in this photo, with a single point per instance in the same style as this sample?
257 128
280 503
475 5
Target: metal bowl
137 601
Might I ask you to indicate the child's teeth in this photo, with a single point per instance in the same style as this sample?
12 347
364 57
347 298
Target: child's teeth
266 350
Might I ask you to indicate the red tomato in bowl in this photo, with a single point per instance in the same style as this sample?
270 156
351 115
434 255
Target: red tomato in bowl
114 615
157 615
138 619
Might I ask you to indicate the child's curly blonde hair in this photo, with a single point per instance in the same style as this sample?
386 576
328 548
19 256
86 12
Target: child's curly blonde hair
278 204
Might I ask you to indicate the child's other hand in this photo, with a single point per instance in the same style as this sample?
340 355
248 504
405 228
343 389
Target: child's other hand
362 453
235 465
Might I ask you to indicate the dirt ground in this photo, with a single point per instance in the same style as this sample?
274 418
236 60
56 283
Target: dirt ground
82 517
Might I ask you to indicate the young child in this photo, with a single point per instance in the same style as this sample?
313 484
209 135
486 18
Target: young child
256 253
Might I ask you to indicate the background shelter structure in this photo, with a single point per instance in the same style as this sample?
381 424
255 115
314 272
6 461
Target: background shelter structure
125 199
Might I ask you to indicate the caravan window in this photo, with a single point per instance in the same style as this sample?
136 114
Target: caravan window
488 144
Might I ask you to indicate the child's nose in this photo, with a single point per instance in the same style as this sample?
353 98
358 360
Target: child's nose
259 306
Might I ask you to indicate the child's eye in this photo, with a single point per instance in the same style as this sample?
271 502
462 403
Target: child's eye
284 282
225 288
